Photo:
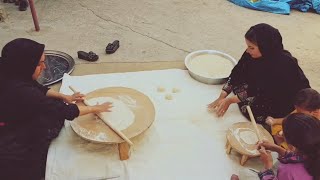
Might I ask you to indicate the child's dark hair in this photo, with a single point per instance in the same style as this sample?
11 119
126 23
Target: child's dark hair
303 132
308 99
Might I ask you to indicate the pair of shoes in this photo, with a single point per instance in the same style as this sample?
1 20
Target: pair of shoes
23 5
112 47
91 56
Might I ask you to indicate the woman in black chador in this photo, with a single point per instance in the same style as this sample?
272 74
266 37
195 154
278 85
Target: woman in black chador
267 77
31 115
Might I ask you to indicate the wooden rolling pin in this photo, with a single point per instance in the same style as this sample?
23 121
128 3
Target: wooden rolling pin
253 121
119 133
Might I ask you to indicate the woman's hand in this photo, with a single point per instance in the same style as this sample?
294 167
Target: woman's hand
223 106
105 107
215 103
266 158
220 106
76 97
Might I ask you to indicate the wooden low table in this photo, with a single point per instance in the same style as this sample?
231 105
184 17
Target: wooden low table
234 141
95 130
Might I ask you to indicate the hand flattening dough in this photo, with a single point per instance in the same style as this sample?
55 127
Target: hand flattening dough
121 116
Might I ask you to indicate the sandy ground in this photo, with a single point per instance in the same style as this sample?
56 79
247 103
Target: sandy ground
157 33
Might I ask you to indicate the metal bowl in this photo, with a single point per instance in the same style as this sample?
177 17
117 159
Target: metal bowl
206 79
57 63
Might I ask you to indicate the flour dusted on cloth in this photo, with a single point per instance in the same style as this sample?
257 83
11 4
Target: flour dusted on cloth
211 65
120 117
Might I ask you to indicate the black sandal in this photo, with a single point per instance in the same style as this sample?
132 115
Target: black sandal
91 56
23 5
112 47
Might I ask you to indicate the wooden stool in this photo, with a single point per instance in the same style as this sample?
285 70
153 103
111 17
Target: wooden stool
234 141
95 130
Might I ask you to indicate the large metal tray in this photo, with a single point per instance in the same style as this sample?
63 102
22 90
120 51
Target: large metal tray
57 63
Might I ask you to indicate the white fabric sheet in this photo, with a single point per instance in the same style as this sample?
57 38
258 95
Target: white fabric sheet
184 142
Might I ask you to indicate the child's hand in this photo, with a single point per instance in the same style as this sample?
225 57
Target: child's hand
266 158
280 133
270 121
272 147
76 97
268 145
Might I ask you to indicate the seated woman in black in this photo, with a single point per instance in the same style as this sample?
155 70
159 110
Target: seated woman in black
267 77
31 115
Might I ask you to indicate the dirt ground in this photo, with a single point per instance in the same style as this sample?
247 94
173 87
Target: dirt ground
157 34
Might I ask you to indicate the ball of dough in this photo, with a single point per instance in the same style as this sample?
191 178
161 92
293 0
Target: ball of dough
175 90
168 97
161 89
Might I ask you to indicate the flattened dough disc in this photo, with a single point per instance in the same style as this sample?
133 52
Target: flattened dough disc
94 129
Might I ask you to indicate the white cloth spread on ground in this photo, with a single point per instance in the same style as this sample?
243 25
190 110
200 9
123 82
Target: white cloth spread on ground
184 142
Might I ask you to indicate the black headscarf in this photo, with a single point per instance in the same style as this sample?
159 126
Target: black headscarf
19 59
276 75
268 39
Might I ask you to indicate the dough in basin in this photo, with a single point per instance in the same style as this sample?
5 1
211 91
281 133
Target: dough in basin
211 65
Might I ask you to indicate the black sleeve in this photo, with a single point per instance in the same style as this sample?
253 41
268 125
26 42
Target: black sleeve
289 80
32 100
303 81
227 87
293 80
238 73
237 79
43 89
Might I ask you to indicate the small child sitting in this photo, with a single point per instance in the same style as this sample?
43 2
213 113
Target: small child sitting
307 101
302 134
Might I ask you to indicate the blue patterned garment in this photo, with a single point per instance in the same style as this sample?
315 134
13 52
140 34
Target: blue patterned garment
279 6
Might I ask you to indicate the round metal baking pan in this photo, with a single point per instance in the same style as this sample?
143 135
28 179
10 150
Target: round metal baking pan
57 63
204 79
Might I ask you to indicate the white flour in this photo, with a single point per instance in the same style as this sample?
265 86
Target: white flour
89 134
